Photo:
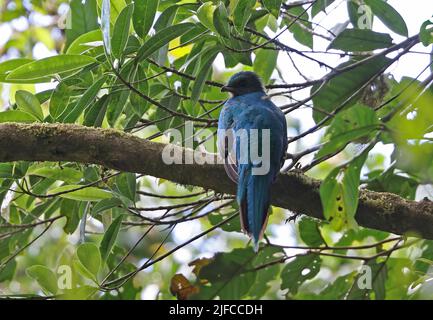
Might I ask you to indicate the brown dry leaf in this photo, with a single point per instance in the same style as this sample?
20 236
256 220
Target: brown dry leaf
181 287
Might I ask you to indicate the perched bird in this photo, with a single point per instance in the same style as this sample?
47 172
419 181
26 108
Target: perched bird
250 110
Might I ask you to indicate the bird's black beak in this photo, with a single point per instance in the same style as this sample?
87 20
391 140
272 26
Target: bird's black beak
227 89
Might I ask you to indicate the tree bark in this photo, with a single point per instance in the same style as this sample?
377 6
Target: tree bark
113 149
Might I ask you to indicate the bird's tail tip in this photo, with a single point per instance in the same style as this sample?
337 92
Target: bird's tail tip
256 245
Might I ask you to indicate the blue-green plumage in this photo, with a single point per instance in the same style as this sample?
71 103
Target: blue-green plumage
249 108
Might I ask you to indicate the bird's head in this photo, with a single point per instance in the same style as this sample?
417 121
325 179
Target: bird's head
242 83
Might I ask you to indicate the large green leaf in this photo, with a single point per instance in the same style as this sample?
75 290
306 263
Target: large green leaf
16 116
226 275
360 40
9 65
45 278
85 42
242 13
349 125
90 258
299 270
83 18
162 38
84 194
204 72
301 27
85 100
205 13
221 21
144 14
121 31
66 174
110 237
28 102
339 193
265 63
388 15
309 232
50 66
345 85
273 6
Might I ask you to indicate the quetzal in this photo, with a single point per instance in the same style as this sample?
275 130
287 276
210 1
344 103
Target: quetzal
250 108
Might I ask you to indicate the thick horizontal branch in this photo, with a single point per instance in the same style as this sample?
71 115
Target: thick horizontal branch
120 151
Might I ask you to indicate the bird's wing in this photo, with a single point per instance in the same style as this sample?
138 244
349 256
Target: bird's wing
227 144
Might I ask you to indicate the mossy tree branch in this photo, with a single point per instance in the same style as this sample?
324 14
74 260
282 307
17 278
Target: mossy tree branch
124 152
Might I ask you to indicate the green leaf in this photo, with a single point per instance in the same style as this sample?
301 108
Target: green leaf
127 185
110 237
94 115
162 38
242 13
301 27
44 277
205 13
16 116
204 72
339 193
86 194
227 276
221 21
309 232
265 63
70 209
273 6
321 5
360 40
27 102
299 270
345 86
63 174
349 125
426 33
105 204
9 65
144 14
90 258
50 66
83 18
84 42
121 31
388 15
85 100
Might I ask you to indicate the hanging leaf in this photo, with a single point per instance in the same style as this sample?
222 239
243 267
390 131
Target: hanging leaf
204 72
360 40
339 193
45 278
162 38
27 102
242 13
144 14
121 31
349 125
265 63
90 258
388 15
50 66
344 88
86 194
273 6
299 270
110 237
221 21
